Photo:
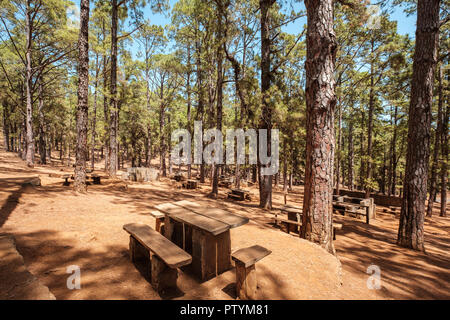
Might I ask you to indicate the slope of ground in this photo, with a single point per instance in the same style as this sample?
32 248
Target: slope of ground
56 228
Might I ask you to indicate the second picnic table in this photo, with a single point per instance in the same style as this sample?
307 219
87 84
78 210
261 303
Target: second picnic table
203 232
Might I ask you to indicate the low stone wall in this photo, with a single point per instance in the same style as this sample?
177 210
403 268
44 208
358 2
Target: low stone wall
141 174
16 282
379 199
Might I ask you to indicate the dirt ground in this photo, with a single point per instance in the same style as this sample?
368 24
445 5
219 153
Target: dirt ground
56 228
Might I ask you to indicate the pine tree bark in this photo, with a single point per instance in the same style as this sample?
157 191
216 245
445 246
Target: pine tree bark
219 102
42 142
113 91
94 114
83 92
368 179
320 141
410 231
188 111
162 146
105 114
437 141
444 155
338 151
6 127
265 183
350 155
28 87
200 94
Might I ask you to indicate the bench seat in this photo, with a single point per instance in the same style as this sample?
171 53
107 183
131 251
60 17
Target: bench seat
235 196
245 260
166 256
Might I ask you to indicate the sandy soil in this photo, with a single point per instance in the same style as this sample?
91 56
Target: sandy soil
55 228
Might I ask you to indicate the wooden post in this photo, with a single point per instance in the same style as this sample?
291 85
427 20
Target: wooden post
223 248
245 281
204 258
158 223
132 248
162 276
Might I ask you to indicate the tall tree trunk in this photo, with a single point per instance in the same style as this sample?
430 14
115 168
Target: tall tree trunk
338 151
201 103
6 127
444 155
410 231
320 141
350 155
362 153
106 113
265 184
113 90
28 87
188 111
148 158
83 95
162 146
395 158
437 140
94 114
368 180
215 185
42 142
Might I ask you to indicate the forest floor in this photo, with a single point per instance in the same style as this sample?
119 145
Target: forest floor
55 228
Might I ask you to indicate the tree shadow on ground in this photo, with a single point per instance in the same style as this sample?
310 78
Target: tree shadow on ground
404 272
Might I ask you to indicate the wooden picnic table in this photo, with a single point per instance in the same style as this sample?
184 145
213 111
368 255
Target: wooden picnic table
239 194
203 232
353 206
191 184
294 214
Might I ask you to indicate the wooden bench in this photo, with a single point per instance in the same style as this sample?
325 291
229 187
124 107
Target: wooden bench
245 260
179 177
357 206
239 194
66 178
166 256
225 183
159 220
289 225
95 178
336 226
190 184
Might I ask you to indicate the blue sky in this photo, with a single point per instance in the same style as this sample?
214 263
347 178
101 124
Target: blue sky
405 25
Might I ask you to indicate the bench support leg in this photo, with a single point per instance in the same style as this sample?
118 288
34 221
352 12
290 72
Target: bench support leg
139 255
158 224
163 277
245 282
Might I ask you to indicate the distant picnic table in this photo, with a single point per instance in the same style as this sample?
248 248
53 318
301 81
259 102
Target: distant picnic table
239 194
203 232
355 206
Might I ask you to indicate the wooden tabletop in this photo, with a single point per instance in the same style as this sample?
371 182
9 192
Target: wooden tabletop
212 220
291 209
214 213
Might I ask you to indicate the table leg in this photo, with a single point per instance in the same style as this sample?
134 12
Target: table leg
223 252
203 255
173 230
